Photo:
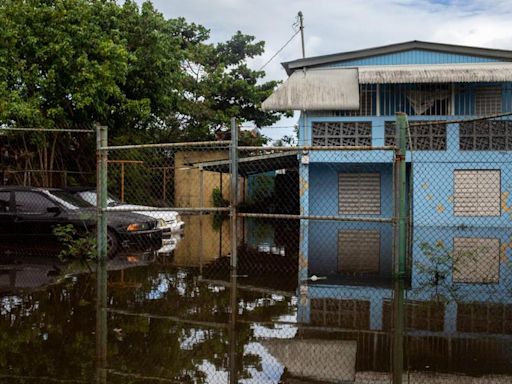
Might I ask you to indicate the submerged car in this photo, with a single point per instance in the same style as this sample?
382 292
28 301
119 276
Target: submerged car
171 222
29 216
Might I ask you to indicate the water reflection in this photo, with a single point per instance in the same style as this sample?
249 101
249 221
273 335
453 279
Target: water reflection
166 322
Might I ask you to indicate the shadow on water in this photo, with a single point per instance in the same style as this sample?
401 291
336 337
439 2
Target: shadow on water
179 318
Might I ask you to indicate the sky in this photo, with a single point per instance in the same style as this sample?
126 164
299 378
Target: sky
333 26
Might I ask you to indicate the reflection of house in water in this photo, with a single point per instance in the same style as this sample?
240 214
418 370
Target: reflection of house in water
458 303
203 241
207 237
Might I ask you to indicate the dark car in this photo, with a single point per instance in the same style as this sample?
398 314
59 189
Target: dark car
30 215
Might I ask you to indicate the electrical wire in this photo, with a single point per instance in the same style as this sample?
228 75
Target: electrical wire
279 51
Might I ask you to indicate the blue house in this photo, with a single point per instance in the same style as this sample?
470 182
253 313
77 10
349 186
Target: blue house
458 164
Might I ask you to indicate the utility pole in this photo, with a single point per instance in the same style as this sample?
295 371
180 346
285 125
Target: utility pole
301 27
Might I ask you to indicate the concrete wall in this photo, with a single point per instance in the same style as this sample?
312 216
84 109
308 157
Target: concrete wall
187 178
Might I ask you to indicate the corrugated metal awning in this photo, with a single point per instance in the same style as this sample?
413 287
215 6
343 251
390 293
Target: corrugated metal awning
436 73
254 164
316 89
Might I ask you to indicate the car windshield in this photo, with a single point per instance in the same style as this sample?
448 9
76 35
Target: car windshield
68 200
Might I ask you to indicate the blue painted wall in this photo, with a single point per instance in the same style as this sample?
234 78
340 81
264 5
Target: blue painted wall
421 286
433 175
323 186
323 250
432 172
415 56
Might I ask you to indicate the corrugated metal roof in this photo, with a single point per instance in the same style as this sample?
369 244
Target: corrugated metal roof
317 89
499 54
436 73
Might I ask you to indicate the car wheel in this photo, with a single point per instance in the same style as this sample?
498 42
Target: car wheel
112 243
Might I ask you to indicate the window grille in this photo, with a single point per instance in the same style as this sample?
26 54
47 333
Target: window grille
420 315
416 99
431 137
349 314
484 317
342 133
359 193
477 193
488 101
485 135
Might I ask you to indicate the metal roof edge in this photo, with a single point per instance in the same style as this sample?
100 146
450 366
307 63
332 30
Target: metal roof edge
502 54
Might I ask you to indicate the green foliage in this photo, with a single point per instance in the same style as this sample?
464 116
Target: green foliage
219 202
434 270
75 246
261 196
127 66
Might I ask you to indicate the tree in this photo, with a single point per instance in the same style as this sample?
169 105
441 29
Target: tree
150 79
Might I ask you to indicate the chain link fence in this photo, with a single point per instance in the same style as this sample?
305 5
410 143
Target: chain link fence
366 254
316 231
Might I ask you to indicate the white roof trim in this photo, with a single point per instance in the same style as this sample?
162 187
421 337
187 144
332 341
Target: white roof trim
436 73
316 89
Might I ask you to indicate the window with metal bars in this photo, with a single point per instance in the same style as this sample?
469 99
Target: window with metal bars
350 134
415 99
485 135
484 317
488 101
429 137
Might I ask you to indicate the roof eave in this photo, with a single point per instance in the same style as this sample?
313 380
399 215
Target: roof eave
500 54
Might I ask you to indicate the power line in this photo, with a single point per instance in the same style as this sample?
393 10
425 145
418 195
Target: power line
279 51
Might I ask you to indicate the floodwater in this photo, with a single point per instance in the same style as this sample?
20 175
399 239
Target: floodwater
182 317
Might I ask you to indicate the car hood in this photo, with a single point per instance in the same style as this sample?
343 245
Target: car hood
146 210
113 218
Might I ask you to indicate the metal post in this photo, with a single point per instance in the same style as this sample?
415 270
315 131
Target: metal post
233 379
233 195
122 181
102 251
164 187
201 218
233 202
400 247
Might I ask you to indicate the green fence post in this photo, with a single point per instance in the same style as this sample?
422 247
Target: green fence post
102 252
400 247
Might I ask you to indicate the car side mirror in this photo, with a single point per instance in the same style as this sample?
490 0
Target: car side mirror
55 210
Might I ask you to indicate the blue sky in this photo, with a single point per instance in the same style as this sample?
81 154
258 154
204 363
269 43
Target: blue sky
340 25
